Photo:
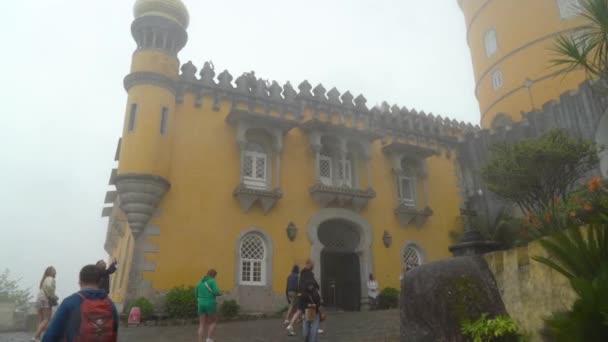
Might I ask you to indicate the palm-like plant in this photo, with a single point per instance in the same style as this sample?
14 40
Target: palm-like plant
587 47
575 256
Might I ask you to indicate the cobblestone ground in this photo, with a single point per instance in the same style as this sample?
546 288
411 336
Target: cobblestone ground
376 326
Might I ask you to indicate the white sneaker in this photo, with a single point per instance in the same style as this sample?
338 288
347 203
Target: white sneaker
320 331
209 340
290 331
286 322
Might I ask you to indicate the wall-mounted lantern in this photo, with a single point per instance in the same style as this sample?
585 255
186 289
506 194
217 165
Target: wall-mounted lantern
387 239
292 231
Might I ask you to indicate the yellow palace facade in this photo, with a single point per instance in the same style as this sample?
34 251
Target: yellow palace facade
251 177
510 43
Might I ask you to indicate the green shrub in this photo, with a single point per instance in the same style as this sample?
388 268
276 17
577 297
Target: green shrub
388 298
229 308
180 302
147 308
497 329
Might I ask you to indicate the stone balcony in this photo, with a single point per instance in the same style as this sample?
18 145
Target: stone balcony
343 196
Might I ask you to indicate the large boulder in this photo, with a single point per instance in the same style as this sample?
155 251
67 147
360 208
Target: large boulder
437 297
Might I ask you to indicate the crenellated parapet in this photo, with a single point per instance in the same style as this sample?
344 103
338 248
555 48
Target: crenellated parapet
308 103
577 112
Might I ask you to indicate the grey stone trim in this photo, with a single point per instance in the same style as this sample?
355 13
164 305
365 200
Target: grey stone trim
342 196
156 32
269 256
149 78
110 196
117 154
417 245
148 266
408 215
363 250
113 175
140 195
248 197
415 149
106 211
152 230
253 93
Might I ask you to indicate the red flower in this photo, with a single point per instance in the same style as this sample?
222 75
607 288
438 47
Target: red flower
587 207
594 183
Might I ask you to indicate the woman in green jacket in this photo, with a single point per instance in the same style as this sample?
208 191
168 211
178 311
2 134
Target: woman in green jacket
206 290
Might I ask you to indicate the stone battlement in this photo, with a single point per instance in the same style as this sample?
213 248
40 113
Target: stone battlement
271 94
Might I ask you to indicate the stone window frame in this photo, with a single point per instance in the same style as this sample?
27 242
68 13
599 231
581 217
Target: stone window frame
497 79
407 173
490 42
340 151
132 118
417 247
254 182
568 8
267 272
414 170
164 120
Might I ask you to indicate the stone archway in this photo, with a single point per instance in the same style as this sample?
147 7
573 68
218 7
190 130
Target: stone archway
359 245
601 138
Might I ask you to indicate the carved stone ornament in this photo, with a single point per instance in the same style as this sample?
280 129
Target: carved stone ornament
408 215
248 197
326 195
292 231
387 239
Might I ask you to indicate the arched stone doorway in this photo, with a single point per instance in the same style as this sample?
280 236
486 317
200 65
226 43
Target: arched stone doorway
601 138
341 250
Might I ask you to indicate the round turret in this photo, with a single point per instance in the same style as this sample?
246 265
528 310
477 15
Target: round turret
171 9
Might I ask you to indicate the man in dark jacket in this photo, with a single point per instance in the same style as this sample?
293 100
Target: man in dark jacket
306 277
104 281
66 323
291 291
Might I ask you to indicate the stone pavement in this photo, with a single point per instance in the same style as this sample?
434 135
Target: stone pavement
376 326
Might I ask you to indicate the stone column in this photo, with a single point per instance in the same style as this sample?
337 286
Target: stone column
242 149
316 149
424 177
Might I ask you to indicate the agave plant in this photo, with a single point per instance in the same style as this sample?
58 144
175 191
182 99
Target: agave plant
587 47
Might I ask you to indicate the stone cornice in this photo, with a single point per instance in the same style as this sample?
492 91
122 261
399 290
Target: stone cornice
326 196
147 78
248 197
282 123
408 215
328 127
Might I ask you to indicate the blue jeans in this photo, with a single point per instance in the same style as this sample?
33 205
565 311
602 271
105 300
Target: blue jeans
311 329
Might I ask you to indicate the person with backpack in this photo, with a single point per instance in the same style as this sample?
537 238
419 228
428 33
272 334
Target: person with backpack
306 276
87 315
206 291
310 306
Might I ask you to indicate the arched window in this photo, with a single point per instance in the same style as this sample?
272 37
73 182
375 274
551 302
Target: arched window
325 166
345 170
497 80
411 256
489 40
253 260
407 184
255 166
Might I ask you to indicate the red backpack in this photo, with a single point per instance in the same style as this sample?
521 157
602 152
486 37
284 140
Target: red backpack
96 321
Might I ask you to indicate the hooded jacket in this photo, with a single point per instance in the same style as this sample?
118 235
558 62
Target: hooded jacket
104 281
307 276
66 321
206 290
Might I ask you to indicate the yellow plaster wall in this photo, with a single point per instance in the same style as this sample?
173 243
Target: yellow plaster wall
530 290
525 31
123 252
200 220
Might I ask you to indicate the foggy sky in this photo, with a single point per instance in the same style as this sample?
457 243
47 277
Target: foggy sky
63 62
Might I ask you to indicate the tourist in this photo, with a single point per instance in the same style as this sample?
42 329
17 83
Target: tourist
45 300
310 305
291 291
372 292
104 282
306 276
206 291
90 301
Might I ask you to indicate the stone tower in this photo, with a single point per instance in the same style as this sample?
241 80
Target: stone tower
159 29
